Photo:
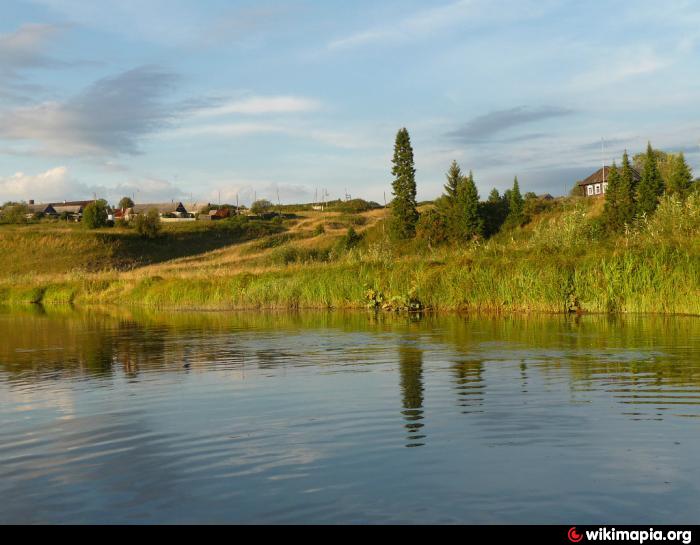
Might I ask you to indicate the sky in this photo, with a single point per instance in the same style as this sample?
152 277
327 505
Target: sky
217 99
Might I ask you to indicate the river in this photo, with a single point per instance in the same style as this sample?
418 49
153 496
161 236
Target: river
326 417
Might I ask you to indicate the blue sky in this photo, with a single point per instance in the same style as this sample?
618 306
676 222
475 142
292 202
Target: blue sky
172 99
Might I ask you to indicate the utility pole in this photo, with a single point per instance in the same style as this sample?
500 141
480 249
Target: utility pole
602 155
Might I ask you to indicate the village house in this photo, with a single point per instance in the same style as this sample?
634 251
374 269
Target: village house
597 183
168 210
34 210
71 209
195 208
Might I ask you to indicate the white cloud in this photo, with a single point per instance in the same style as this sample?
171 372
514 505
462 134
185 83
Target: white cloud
257 105
54 184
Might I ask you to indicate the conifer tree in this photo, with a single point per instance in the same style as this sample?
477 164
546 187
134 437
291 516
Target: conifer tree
403 207
626 192
681 177
468 223
611 211
651 186
515 204
454 177
492 212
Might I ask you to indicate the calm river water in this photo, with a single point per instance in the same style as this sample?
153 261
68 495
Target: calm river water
357 417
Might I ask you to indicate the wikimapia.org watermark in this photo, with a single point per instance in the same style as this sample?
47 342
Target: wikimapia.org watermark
637 536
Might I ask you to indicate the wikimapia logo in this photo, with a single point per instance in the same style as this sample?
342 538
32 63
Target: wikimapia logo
636 536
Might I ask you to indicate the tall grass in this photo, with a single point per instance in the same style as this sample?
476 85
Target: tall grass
562 262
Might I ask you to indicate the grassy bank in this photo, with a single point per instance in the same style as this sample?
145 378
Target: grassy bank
559 262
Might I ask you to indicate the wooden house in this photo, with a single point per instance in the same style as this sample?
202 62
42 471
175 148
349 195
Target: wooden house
165 210
597 183
41 209
71 209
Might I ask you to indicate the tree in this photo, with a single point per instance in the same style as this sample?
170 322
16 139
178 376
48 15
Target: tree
14 213
681 177
403 207
651 186
627 191
148 225
493 212
125 203
432 228
261 206
611 210
515 205
95 214
454 178
468 223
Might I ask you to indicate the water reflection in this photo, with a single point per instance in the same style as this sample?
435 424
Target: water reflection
411 370
301 416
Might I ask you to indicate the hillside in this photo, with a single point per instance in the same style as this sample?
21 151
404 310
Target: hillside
560 260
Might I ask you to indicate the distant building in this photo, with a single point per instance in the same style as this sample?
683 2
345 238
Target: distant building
220 214
40 210
165 210
597 183
195 208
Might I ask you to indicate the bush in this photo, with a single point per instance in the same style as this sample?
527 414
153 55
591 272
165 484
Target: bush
95 214
261 206
349 241
148 225
14 213
432 228
319 230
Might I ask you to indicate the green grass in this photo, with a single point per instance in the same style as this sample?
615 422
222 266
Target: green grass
561 262
56 248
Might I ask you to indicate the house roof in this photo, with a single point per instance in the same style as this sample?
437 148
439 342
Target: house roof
43 208
603 174
68 208
163 207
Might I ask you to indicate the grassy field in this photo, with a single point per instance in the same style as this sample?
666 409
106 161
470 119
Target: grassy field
560 262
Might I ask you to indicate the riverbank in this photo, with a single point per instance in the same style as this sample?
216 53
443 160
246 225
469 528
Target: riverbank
558 263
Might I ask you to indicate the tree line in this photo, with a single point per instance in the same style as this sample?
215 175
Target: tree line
459 215
630 197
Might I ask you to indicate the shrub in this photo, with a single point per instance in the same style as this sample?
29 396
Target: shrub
261 206
95 214
148 225
14 213
350 240
432 228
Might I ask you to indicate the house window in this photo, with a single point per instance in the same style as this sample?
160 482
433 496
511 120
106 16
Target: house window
597 189
589 190
605 187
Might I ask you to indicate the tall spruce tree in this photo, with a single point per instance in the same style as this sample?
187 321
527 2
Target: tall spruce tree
454 177
447 204
651 186
468 222
611 210
403 207
515 205
626 192
681 177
